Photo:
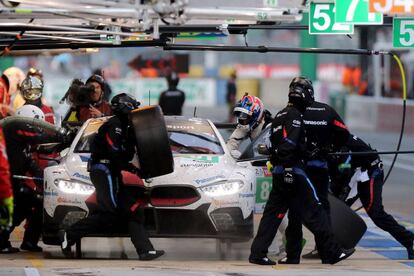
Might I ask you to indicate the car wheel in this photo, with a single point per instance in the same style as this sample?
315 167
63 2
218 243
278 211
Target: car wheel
153 147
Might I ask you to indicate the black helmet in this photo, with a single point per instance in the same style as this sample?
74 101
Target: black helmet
173 79
301 91
98 79
123 103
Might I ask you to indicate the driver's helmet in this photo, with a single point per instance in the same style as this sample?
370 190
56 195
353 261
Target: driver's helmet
30 111
249 111
31 88
123 103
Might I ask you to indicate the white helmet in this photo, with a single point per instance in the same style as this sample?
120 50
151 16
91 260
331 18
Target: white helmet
30 111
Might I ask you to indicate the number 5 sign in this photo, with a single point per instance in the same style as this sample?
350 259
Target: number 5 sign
322 20
403 32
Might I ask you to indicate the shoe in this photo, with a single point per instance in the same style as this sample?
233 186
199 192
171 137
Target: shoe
286 260
314 254
410 251
65 245
28 246
9 250
151 255
261 261
345 253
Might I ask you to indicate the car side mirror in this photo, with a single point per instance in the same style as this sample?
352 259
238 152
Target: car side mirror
262 149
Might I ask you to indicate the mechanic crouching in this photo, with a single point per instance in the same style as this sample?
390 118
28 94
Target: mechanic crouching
111 152
292 189
362 176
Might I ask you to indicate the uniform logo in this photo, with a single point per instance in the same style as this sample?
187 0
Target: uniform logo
316 123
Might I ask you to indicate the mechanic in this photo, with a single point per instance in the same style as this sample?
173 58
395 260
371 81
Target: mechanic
366 172
97 107
32 90
292 189
4 96
325 131
6 191
111 151
252 118
172 99
20 134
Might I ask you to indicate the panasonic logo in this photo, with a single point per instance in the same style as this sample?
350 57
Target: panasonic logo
315 123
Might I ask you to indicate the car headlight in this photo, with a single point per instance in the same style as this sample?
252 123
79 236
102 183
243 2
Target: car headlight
73 187
222 188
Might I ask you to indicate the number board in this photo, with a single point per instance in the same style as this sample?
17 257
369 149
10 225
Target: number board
356 12
263 187
322 20
391 6
403 32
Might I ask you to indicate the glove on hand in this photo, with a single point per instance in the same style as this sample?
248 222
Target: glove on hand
235 153
269 166
6 213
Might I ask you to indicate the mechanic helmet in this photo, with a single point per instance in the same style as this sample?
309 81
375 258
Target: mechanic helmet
301 91
16 76
35 73
123 103
249 111
96 78
31 88
30 111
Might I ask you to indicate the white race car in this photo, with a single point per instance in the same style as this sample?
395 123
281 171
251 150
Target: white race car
209 194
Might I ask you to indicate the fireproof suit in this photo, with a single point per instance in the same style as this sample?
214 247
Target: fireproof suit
20 133
292 189
112 150
6 191
325 131
370 190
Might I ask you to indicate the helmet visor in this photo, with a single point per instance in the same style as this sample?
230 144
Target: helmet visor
32 94
243 118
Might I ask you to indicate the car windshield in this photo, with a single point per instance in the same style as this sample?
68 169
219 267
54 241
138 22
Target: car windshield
187 136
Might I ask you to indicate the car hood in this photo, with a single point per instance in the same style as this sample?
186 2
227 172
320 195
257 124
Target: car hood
197 170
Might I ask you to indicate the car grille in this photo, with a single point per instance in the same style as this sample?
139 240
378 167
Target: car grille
169 196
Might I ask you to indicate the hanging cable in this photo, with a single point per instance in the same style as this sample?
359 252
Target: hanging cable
8 48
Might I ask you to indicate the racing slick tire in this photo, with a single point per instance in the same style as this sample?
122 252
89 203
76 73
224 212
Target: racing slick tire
153 146
347 226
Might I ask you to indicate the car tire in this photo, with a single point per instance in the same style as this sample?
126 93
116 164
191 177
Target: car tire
153 146
348 227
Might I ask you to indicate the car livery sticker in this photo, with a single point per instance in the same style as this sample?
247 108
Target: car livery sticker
81 176
210 179
199 161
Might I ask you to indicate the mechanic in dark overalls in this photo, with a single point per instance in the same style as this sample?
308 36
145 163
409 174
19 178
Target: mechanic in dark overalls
325 131
20 133
369 189
172 100
292 189
112 150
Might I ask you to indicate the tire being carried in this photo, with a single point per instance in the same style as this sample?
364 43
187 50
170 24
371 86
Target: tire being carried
153 146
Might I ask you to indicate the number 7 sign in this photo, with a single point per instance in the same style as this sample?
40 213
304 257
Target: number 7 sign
356 12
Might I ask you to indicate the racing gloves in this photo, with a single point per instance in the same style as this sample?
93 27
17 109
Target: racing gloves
6 213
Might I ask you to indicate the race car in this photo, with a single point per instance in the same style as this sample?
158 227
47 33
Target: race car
209 194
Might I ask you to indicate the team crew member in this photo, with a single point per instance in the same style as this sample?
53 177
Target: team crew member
252 118
20 134
172 99
32 90
292 189
370 180
98 107
4 96
112 150
325 131
6 191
